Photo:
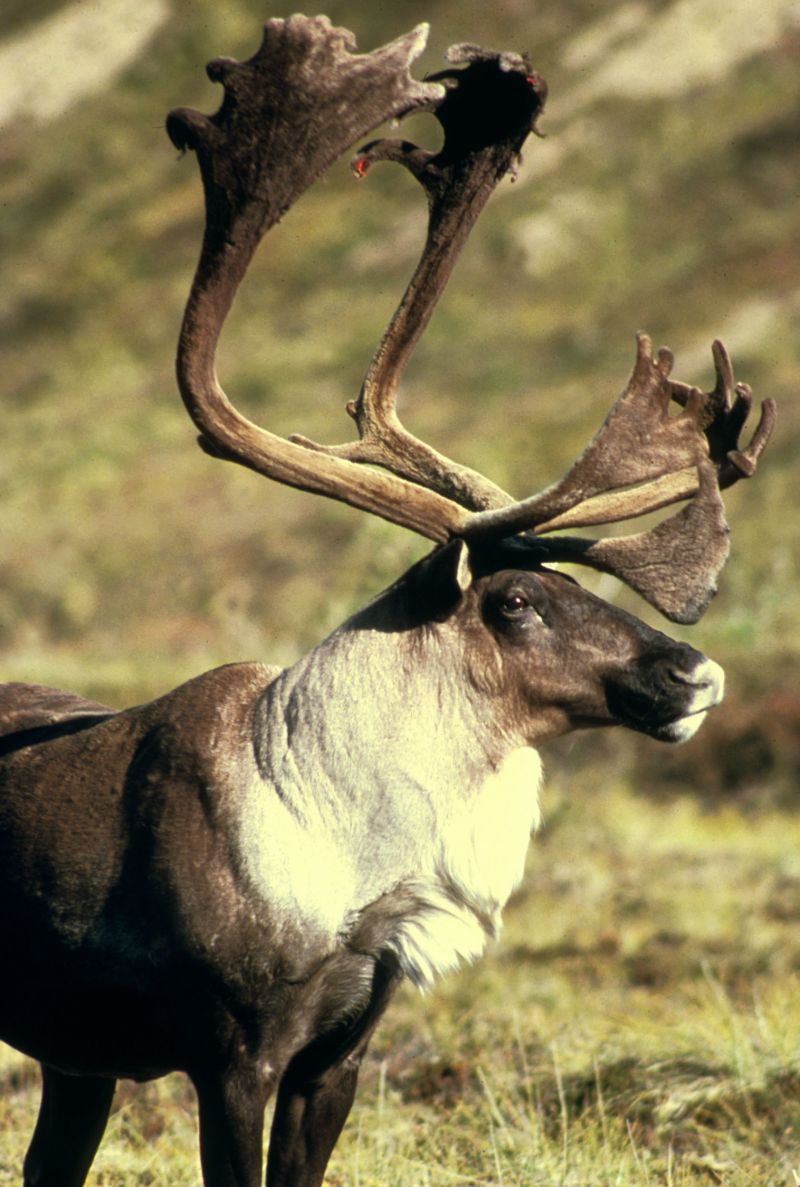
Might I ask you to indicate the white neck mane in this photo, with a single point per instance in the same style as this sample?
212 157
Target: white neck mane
372 804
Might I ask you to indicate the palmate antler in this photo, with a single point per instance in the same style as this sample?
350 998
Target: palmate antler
288 112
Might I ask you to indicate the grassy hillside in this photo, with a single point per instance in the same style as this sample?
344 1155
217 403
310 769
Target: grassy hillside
656 1039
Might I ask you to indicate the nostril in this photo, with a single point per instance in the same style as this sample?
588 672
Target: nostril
704 682
705 676
677 676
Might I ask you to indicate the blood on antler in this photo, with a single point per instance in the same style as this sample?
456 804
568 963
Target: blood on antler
288 112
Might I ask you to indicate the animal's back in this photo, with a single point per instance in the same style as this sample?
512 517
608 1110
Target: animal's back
26 707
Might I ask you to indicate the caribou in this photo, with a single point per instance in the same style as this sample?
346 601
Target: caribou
232 880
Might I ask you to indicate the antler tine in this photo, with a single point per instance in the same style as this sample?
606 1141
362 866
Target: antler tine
288 112
675 565
641 459
487 112
726 410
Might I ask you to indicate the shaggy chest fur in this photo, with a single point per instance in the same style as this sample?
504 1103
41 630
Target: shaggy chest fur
441 895
479 860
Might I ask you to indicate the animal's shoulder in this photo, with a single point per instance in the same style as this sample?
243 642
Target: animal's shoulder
205 727
222 689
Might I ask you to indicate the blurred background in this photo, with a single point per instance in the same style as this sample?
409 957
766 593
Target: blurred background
664 197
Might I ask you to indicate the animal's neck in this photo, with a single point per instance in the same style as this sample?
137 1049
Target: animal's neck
413 805
372 711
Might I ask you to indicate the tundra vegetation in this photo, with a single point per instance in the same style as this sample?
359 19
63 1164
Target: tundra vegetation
638 1022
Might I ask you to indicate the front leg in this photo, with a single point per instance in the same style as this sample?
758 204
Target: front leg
308 1120
231 1103
317 1090
72 1118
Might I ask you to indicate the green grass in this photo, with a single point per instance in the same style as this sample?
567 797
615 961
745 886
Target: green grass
639 1022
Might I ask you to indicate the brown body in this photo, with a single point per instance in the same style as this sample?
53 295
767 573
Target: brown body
232 879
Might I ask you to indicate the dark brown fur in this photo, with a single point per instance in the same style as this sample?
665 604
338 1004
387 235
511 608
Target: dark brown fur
139 944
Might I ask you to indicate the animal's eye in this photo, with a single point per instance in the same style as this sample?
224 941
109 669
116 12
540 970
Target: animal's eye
514 604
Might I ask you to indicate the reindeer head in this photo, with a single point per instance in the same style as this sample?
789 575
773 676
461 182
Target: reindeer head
288 112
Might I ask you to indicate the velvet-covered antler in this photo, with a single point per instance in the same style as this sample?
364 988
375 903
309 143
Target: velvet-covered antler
641 460
288 112
487 112
301 101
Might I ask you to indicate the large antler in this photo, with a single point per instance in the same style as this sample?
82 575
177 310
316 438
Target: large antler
486 114
287 113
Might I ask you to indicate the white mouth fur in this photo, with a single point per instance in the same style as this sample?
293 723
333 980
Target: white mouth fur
709 679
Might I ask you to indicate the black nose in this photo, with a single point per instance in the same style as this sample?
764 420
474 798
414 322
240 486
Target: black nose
660 688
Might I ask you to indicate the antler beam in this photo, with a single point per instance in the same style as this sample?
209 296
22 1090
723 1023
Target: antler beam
288 113
487 113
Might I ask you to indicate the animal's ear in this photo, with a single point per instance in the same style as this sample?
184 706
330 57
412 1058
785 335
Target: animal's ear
462 569
438 583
